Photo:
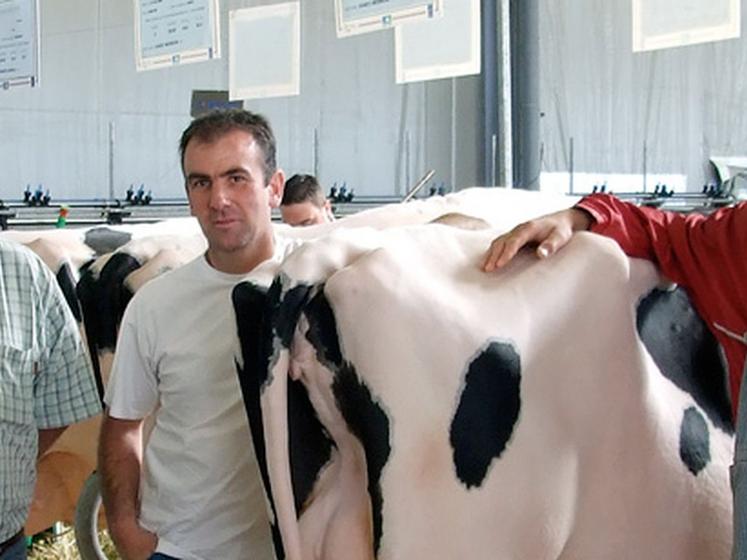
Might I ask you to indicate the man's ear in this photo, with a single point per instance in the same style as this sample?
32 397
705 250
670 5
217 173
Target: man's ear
276 185
327 209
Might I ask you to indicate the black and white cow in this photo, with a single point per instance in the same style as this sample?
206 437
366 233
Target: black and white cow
404 404
128 256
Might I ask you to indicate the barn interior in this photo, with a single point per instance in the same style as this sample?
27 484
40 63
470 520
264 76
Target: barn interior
401 104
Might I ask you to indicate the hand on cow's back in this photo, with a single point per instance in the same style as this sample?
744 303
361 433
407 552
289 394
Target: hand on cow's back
549 233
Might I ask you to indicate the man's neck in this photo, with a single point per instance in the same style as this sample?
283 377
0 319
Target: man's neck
241 262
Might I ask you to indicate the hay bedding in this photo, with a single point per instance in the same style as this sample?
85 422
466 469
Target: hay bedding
62 546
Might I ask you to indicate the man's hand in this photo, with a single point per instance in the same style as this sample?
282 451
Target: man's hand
132 541
549 232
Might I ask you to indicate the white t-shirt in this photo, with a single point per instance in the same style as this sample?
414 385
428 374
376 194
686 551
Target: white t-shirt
200 488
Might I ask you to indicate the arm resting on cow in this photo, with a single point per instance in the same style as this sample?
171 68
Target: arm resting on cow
550 233
47 437
120 457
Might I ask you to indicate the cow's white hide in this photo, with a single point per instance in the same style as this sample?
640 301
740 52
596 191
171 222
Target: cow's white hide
58 252
591 469
501 208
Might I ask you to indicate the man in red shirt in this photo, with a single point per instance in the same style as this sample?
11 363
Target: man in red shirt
706 255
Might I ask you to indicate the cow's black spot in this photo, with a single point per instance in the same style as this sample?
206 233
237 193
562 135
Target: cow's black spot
363 415
277 541
251 304
686 352
694 441
487 411
369 423
105 240
87 292
261 317
66 282
322 332
310 446
112 304
288 312
101 301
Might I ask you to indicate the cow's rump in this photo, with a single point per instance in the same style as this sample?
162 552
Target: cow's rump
404 404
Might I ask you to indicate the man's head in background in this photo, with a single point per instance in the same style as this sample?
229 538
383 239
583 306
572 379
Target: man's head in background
304 203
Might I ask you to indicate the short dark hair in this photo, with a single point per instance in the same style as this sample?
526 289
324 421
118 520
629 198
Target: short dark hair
303 188
213 125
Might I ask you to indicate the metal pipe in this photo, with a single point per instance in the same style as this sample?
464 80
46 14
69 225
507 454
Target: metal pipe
111 160
453 134
507 167
493 159
419 185
570 165
525 94
490 81
315 153
407 157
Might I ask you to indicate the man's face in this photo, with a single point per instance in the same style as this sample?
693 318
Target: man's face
230 198
306 213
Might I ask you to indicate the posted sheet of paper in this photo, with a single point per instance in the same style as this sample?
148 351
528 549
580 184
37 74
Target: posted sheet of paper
361 16
660 24
264 53
19 43
443 47
172 32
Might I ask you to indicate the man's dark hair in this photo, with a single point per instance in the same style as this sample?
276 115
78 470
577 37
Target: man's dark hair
303 188
211 126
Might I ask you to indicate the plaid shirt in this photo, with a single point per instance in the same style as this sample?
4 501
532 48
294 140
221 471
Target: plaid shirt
45 376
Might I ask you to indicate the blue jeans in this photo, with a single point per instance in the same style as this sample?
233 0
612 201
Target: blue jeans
739 478
16 551
156 556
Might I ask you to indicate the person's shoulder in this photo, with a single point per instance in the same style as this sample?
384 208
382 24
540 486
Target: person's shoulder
18 257
12 251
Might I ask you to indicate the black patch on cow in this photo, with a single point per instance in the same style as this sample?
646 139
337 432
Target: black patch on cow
487 411
66 282
288 312
694 441
686 352
323 331
262 317
87 292
102 303
251 304
105 240
369 423
363 415
310 445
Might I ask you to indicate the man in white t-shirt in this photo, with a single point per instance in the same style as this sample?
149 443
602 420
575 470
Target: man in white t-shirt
194 492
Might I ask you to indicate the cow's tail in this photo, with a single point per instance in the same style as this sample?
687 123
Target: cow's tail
275 414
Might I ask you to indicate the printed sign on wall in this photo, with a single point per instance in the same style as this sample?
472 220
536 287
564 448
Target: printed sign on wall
444 47
264 53
362 16
660 24
172 32
19 43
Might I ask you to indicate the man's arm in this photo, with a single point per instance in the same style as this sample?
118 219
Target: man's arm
549 233
47 439
120 457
